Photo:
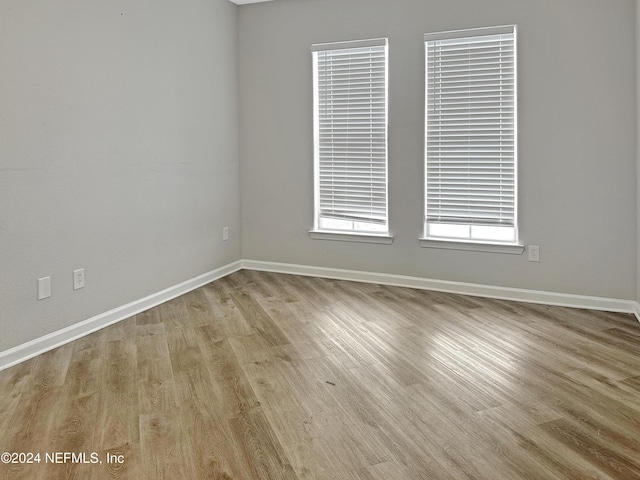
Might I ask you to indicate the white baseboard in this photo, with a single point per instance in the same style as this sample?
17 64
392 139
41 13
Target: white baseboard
58 338
55 339
503 293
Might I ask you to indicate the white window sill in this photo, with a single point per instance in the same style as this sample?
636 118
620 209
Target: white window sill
382 239
509 248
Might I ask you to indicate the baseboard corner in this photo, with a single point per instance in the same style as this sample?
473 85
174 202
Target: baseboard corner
474 289
33 348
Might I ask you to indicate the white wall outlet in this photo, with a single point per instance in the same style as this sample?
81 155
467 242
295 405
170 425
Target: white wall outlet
534 253
225 233
44 288
78 279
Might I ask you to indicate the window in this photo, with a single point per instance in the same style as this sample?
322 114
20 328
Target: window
471 142
350 137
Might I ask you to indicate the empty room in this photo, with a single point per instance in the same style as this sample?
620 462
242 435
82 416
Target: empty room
320 239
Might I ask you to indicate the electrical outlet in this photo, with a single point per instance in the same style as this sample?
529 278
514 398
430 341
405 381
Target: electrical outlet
534 253
78 279
44 288
225 233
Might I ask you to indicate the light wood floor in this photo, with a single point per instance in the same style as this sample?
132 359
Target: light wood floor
262 375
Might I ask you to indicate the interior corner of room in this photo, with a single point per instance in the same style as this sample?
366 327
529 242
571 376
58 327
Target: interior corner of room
205 274
158 147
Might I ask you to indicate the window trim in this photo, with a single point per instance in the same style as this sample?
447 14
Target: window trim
368 236
469 243
347 236
472 246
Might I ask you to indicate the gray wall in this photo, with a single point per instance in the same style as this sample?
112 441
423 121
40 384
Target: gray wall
118 153
637 17
577 138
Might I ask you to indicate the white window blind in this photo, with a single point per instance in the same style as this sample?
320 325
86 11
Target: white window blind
350 130
471 140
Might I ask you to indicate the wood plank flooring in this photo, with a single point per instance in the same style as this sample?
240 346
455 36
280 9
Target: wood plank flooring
269 376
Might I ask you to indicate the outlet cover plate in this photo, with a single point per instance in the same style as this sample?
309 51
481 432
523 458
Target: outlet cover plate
78 279
534 253
44 288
